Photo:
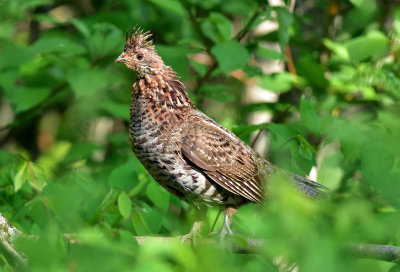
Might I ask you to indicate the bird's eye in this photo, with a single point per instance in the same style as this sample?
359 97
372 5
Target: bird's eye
139 56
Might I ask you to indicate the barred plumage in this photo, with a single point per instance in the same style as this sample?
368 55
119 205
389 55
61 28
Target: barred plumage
188 153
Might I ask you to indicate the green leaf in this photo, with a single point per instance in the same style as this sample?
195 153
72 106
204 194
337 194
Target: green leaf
267 53
139 223
281 133
280 82
230 55
200 68
285 19
363 14
380 165
37 179
58 45
302 156
116 109
309 116
12 55
21 177
305 149
357 3
88 81
329 166
171 5
153 219
339 49
80 151
374 45
124 205
5 156
105 39
244 132
217 27
124 176
307 67
31 172
23 98
176 57
396 21
345 132
219 92
158 195
82 27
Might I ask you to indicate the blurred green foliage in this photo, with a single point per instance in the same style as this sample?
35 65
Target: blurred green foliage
68 176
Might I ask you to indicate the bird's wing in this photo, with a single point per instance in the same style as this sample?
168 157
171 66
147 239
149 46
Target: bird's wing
223 157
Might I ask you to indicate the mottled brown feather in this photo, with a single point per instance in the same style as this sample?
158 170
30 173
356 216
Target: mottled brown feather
223 157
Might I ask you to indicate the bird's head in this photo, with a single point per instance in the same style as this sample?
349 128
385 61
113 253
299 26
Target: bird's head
139 53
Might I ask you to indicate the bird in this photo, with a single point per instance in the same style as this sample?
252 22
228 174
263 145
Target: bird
185 151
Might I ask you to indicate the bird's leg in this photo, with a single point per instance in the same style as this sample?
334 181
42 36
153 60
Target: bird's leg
226 228
197 226
194 232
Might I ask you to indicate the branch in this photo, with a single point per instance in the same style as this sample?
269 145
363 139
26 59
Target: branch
376 252
7 235
364 251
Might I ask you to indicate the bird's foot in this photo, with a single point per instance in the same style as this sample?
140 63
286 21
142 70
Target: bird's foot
226 230
223 232
193 234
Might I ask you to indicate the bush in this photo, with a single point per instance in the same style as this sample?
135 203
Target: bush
68 176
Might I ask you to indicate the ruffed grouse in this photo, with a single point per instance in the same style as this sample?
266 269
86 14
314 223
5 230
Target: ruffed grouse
185 151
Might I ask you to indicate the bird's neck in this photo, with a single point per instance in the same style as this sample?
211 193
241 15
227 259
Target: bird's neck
161 90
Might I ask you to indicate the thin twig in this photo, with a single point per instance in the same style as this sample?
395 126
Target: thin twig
291 5
240 35
216 219
123 224
289 61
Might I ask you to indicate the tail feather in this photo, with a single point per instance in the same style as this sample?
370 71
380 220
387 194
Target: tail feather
301 184
308 187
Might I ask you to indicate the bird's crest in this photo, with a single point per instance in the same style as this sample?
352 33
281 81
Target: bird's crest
137 38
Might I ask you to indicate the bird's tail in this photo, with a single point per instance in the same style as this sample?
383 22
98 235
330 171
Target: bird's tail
301 184
308 187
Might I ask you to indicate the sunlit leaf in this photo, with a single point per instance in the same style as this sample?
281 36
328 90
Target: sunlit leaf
267 53
171 5
281 82
217 27
88 81
21 177
224 52
373 45
124 205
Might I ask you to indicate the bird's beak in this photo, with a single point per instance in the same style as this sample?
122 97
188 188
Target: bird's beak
121 59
